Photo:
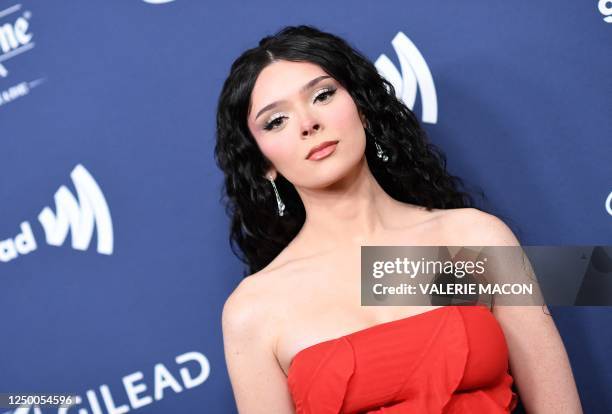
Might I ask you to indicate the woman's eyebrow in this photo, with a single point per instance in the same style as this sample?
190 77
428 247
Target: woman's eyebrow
303 89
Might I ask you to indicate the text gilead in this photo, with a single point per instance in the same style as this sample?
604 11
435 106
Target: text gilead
136 390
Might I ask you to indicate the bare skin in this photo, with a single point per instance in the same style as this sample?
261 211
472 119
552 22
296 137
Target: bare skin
324 290
311 292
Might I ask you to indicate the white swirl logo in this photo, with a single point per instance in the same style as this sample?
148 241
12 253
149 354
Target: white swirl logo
80 215
415 75
157 1
605 8
609 204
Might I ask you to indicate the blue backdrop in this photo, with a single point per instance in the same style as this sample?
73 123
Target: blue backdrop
114 259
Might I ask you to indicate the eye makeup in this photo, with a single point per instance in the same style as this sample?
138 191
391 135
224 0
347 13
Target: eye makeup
275 120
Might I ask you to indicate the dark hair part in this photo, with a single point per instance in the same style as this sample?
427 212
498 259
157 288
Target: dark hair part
414 173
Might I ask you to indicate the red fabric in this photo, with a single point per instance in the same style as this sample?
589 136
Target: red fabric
452 359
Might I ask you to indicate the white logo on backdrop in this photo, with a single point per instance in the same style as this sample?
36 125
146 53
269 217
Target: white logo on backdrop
15 39
415 75
14 36
605 8
77 215
609 204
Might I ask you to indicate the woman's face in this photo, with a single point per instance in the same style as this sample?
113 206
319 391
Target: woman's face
287 122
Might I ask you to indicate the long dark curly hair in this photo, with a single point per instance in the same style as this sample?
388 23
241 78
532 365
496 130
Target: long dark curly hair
414 173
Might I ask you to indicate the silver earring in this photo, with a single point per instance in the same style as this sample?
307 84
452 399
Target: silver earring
380 153
279 202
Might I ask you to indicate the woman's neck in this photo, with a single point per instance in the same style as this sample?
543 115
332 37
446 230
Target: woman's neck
353 210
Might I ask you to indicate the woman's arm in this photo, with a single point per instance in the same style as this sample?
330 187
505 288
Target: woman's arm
538 360
258 382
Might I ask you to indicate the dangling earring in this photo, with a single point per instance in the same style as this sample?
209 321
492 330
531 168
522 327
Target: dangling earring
279 202
380 153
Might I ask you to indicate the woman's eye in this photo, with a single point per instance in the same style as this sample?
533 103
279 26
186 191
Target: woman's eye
325 95
274 123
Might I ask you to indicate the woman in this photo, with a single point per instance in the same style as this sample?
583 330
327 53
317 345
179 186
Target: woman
319 158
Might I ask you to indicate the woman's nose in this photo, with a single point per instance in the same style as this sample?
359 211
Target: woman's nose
308 128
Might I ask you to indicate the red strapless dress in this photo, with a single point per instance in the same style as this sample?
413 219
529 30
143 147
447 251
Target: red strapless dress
453 359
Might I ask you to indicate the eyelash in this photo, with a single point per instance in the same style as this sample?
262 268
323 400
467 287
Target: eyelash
271 124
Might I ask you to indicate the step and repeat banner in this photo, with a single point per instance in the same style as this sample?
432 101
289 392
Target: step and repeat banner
114 253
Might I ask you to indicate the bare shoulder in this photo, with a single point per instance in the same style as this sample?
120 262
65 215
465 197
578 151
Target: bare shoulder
249 322
473 227
251 306
238 308
538 359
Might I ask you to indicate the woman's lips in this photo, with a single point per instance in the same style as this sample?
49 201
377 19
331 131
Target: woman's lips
327 149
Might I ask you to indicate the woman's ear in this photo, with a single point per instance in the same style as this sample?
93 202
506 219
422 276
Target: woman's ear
271 174
364 121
